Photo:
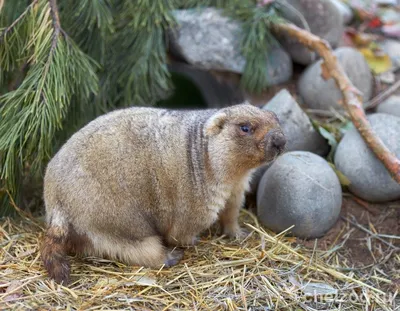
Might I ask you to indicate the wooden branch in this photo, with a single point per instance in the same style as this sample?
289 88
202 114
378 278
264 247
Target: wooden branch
56 23
382 96
352 100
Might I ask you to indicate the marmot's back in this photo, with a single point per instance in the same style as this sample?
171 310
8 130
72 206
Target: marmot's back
137 180
136 148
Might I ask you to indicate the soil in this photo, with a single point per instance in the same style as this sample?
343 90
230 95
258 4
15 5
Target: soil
382 219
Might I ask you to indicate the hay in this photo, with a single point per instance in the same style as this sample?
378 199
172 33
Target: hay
263 272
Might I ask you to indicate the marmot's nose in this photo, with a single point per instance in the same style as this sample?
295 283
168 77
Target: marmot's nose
276 141
279 141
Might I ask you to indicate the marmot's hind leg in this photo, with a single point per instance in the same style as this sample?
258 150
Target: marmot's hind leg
148 252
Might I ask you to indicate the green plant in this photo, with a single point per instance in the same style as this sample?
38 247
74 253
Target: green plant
62 63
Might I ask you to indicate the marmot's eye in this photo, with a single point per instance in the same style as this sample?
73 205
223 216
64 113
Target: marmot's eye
245 128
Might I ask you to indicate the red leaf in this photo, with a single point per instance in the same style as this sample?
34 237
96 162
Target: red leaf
375 23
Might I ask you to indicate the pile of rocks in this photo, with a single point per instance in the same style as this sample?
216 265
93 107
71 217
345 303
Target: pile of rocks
369 178
301 188
208 40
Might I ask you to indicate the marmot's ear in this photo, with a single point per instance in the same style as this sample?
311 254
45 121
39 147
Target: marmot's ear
215 124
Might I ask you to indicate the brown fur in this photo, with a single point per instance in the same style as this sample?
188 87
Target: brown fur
53 254
136 182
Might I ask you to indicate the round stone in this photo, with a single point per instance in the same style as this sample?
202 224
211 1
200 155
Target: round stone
390 106
344 10
318 93
210 40
296 125
323 19
300 189
368 176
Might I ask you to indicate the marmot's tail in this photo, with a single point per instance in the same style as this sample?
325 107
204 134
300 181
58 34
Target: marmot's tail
54 253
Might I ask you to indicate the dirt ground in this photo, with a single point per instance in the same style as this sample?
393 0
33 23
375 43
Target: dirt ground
361 233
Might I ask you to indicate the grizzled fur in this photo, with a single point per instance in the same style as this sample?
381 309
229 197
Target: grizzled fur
136 182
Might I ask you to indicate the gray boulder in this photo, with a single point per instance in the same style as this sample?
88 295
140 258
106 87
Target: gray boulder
390 106
208 40
296 125
392 48
324 20
345 10
318 93
368 176
300 189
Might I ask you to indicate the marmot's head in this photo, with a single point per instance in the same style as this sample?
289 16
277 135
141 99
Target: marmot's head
245 135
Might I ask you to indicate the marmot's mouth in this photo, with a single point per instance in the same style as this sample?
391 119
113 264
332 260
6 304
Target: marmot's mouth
281 150
271 156
274 144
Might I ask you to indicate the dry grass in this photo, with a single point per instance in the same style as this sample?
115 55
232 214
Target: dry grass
263 272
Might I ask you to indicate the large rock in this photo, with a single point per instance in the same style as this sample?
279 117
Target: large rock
344 9
209 40
369 178
324 20
301 189
319 93
299 132
392 48
390 106
296 125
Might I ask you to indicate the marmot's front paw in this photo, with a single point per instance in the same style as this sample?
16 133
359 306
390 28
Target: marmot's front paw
184 241
236 233
189 241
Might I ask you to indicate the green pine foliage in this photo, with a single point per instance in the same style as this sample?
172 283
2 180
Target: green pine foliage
64 62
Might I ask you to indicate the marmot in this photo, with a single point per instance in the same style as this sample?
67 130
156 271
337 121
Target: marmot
136 182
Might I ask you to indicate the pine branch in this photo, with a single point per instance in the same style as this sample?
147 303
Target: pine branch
56 22
32 114
91 25
14 40
257 41
11 27
138 61
56 32
352 98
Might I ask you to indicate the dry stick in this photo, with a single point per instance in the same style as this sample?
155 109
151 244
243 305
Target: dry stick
379 98
373 234
352 99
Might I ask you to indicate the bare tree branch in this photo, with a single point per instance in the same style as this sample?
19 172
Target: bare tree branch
56 23
352 99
